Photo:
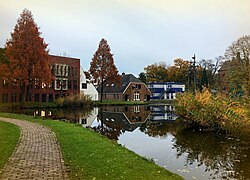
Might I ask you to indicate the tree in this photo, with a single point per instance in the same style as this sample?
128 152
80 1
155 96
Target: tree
208 69
156 72
204 79
102 67
179 71
238 53
28 54
4 63
142 77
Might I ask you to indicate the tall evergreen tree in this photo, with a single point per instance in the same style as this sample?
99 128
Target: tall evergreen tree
27 53
102 67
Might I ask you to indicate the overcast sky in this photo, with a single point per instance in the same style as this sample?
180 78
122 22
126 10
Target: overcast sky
139 32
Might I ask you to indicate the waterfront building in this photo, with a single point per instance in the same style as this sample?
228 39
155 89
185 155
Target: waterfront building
65 81
165 90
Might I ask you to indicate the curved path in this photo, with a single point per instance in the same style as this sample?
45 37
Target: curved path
37 155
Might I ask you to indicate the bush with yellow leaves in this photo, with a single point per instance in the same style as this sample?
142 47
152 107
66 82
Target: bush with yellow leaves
208 110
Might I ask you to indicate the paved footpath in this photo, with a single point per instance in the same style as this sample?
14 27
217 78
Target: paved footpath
37 155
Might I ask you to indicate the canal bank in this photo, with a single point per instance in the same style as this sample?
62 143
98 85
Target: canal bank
92 156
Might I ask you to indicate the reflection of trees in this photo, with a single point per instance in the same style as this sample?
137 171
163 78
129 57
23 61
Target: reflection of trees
108 127
225 157
160 129
71 115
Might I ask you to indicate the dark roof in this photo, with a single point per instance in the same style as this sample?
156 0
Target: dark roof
125 80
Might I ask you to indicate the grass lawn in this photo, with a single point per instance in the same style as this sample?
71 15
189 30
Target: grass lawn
9 136
90 155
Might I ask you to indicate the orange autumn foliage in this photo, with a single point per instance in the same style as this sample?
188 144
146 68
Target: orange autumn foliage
102 67
27 53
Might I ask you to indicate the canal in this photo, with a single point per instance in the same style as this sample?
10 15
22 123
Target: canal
155 133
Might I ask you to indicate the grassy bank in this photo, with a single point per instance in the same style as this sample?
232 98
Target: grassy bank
215 112
90 155
9 136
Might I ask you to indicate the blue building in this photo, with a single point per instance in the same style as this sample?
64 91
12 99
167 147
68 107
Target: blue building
165 90
162 113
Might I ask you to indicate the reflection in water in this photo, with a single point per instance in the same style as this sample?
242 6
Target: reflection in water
223 156
155 132
163 113
112 121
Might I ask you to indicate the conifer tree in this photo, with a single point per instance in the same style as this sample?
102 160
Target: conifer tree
102 67
27 53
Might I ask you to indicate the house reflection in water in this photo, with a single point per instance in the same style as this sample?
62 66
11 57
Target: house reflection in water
162 113
112 121
80 116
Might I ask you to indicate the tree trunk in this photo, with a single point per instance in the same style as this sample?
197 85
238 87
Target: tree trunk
27 93
101 91
23 93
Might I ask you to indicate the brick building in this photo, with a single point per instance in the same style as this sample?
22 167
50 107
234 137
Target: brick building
66 81
131 89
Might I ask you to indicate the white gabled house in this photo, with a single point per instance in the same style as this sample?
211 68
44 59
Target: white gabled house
86 87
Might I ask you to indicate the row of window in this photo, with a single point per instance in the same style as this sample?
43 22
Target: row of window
59 84
64 70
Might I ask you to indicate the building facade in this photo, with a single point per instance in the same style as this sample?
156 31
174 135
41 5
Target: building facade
131 89
65 81
165 90
86 87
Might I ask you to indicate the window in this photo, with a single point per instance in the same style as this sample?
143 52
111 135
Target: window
43 97
50 97
61 70
13 97
51 85
5 97
5 83
136 96
58 84
138 86
64 84
57 70
65 71
72 71
84 85
68 71
36 83
136 109
75 85
36 98
44 85
76 72
69 85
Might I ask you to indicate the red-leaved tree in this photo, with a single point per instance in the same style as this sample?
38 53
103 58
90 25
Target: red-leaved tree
102 67
27 53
